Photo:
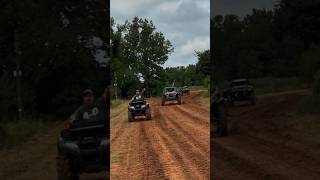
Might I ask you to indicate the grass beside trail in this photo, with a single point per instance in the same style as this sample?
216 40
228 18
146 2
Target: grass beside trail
269 85
16 132
114 103
197 88
273 85
204 99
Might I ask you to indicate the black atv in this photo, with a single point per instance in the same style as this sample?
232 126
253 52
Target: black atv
83 147
170 94
138 108
219 123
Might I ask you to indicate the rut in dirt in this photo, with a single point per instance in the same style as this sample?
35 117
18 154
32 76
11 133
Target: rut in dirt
261 143
173 145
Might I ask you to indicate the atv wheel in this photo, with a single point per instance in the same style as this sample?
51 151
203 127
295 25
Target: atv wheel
66 169
179 100
130 117
222 124
148 114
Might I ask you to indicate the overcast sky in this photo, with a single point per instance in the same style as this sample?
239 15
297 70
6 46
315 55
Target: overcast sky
184 22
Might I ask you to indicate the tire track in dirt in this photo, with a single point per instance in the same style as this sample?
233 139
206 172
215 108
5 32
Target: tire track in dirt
183 139
262 145
152 163
201 130
230 166
195 116
172 145
182 149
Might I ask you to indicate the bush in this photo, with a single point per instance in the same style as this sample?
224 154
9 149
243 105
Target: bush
206 82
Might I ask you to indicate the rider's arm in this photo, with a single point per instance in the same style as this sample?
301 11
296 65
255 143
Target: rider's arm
142 92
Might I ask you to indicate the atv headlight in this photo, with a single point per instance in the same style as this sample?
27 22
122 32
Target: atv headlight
143 106
131 107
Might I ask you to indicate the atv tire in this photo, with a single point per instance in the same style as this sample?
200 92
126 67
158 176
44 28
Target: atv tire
130 117
66 169
179 100
148 114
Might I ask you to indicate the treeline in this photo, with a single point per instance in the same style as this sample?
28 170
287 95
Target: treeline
193 74
283 42
57 44
138 53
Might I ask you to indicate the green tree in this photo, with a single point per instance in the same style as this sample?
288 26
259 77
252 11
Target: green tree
59 42
145 49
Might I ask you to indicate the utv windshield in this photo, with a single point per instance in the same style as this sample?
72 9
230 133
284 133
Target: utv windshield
171 89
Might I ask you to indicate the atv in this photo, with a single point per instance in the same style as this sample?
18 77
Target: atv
170 94
241 90
138 108
83 147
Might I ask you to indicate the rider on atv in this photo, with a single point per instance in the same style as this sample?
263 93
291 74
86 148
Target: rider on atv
138 95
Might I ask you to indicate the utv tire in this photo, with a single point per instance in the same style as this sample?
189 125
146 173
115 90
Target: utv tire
222 122
148 114
130 117
66 170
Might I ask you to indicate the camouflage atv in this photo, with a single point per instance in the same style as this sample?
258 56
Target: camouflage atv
83 147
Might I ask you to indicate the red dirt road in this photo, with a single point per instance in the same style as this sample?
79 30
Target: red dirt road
268 141
173 145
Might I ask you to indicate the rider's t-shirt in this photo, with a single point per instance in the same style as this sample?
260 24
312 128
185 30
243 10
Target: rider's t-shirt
94 112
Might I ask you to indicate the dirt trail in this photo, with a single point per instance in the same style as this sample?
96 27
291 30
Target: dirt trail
267 141
35 159
173 145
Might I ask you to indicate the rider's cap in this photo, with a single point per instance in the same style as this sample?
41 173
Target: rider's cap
87 92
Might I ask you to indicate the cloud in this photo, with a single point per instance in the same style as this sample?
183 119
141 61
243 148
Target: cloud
186 53
186 23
